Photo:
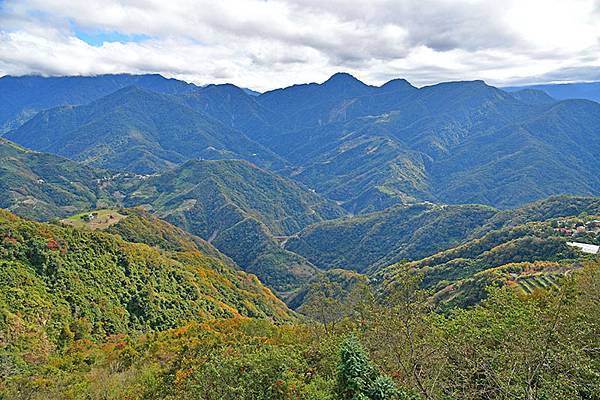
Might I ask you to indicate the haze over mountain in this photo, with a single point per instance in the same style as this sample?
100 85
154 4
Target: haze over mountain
563 91
23 96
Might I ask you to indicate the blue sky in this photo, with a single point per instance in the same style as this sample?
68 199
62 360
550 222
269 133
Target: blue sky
98 37
267 44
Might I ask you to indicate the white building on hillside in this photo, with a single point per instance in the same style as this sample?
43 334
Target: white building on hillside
585 247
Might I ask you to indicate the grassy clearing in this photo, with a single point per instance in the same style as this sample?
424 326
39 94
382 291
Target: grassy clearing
93 220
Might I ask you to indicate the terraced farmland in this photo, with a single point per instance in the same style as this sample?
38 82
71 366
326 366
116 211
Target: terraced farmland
529 283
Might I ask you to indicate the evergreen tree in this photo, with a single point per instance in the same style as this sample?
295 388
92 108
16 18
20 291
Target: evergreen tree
358 379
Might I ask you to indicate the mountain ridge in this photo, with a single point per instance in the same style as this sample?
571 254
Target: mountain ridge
563 91
136 130
29 94
370 147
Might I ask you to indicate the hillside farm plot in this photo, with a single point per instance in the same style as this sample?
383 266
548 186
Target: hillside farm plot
529 283
93 220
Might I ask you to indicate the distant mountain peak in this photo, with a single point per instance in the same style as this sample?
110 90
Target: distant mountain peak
343 78
128 94
471 89
225 88
397 84
476 82
132 89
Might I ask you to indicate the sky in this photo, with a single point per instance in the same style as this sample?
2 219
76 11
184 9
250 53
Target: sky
263 45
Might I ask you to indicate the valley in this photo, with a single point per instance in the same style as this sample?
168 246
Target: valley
284 213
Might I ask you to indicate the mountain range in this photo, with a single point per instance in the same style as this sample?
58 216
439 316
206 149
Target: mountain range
365 147
301 179
267 224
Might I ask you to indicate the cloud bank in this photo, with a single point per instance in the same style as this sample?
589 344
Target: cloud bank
267 44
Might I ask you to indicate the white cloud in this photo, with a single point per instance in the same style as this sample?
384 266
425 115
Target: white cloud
267 44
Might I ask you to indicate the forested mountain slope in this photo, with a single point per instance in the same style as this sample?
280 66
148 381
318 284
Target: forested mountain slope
267 224
510 248
541 210
370 147
368 241
450 142
240 209
527 249
243 210
136 130
87 284
139 226
44 186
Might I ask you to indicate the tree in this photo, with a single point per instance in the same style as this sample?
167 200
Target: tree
401 336
358 379
323 303
360 303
